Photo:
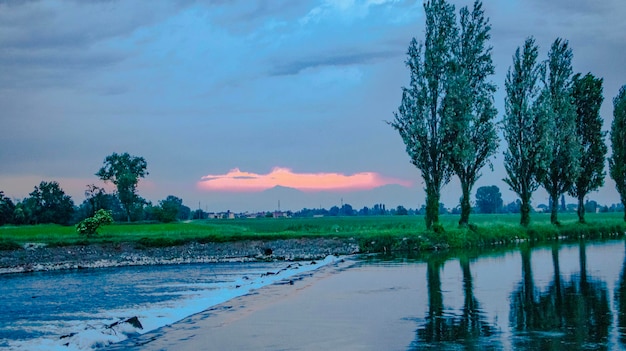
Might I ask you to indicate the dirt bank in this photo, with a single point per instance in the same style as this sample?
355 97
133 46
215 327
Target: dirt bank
34 257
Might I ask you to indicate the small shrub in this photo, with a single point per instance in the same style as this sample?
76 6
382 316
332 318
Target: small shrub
89 226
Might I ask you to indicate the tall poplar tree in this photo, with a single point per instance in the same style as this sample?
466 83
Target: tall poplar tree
588 97
524 127
564 162
617 162
419 117
469 110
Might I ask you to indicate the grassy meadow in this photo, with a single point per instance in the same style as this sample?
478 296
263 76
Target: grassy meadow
375 233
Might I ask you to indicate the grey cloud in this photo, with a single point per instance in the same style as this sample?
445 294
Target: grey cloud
250 14
44 43
297 66
45 68
576 6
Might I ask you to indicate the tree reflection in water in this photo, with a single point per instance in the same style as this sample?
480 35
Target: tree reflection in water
620 297
445 329
573 314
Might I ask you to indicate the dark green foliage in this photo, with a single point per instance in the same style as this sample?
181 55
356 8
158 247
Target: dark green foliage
524 127
102 201
587 97
488 199
7 208
9 245
419 119
401 211
89 226
184 213
48 204
168 209
160 242
124 171
469 110
96 198
617 162
562 168
381 243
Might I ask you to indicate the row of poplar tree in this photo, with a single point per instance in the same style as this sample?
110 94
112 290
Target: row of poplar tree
552 123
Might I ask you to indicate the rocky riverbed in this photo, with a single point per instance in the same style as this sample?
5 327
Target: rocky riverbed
37 257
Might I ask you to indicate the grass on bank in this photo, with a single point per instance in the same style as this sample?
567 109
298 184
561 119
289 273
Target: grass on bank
375 234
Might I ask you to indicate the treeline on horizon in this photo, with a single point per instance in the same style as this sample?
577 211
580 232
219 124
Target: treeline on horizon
552 127
48 203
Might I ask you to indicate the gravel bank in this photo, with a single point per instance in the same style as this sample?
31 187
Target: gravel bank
35 257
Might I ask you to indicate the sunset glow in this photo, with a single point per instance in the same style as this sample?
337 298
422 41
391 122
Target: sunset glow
239 181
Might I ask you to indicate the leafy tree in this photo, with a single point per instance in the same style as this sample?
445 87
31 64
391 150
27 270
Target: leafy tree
514 207
7 208
168 209
588 97
591 206
419 119
469 108
199 214
378 209
49 204
19 214
184 213
401 211
488 199
151 212
556 98
124 171
346 210
617 162
104 201
96 197
524 127
89 226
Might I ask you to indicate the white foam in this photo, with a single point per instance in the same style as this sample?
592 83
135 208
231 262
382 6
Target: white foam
96 333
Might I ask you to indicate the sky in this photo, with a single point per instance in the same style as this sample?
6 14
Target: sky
237 105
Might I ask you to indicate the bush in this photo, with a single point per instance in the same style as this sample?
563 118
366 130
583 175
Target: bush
89 226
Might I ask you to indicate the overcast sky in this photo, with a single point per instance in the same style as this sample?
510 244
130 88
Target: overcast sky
290 93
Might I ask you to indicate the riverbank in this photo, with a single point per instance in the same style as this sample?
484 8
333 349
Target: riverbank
34 257
51 247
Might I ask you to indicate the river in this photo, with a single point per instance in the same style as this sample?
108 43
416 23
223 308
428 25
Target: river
561 296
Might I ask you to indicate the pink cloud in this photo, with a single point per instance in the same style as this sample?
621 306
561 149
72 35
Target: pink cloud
238 181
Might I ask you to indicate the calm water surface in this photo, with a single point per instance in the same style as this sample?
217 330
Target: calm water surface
560 297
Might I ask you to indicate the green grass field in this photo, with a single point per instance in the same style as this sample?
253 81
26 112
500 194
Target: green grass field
375 233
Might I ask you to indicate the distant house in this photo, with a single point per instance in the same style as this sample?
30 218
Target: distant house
280 214
221 215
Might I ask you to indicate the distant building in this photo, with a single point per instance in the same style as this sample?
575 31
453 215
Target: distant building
280 214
